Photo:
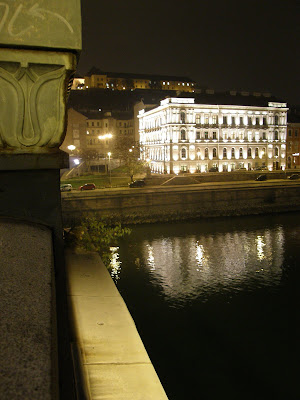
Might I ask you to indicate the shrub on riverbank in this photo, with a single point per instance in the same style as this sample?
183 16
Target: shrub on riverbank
97 234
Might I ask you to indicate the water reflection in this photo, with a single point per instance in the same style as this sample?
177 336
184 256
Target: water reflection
189 266
115 263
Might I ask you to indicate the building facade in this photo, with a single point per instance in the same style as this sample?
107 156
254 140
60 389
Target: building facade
181 136
97 131
293 145
96 78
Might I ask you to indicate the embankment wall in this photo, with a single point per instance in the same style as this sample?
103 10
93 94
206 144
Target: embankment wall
163 204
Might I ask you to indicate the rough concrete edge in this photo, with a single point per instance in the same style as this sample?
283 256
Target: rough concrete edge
78 345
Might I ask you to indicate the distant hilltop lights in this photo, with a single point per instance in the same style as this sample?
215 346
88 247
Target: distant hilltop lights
98 79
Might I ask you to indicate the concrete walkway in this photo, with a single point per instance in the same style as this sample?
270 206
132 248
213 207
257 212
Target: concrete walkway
115 363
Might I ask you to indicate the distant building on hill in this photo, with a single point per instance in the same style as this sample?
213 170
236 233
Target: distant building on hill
96 78
182 135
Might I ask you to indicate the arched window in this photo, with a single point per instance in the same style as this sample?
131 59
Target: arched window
276 119
276 135
182 134
263 151
249 152
232 153
183 153
241 152
182 117
256 152
214 152
224 153
206 153
276 151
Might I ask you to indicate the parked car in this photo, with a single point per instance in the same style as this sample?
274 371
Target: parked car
137 183
88 186
262 168
241 169
261 177
213 169
66 187
294 176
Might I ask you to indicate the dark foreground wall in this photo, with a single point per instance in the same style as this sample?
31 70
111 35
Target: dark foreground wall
162 204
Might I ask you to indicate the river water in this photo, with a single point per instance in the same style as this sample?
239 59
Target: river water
215 302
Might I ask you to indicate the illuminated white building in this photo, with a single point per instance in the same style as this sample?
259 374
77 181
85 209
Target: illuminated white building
181 136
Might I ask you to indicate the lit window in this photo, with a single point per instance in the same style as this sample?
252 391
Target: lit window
224 153
183 153
187 84
206 153
182 134
214 152
232 153
241 153
164 83
182 84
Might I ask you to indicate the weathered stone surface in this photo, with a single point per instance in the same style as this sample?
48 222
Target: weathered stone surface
53 24
26 264
33 89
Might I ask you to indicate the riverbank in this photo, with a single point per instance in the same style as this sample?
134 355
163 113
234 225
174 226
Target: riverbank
171 203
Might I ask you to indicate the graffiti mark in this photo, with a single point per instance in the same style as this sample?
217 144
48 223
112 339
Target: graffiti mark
34 11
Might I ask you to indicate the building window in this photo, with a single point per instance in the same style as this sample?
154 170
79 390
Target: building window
276 119
233 120
214 135
249 152
256 152
241 121
224 153
264 135
206 153
198 135
276 135
276 151
232 153
206 135
182 117
215 119
264 121
296 132
206 120
290 132
197 118
182 134
183 153
214 152
225 120
241 152
249 121
257 121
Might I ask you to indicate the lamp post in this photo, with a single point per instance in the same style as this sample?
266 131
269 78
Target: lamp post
109 154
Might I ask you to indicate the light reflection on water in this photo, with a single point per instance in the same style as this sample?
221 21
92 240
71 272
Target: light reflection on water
215 304
191 266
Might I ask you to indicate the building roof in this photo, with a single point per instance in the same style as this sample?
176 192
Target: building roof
127 75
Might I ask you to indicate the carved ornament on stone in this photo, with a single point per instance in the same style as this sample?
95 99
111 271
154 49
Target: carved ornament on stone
33 105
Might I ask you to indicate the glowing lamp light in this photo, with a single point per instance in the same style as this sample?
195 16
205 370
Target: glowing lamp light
76 161
130 150
109 154
71 147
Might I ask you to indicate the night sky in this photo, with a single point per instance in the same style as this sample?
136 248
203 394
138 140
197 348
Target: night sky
243 45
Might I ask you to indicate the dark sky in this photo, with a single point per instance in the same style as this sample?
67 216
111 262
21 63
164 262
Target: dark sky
250 45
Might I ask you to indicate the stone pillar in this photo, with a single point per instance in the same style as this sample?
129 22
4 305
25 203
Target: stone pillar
39 49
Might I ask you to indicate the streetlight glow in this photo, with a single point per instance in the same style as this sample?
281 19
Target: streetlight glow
71 147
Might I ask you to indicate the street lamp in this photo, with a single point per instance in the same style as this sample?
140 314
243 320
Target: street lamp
109 154
71 147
